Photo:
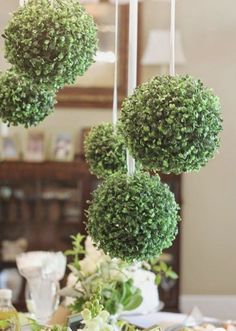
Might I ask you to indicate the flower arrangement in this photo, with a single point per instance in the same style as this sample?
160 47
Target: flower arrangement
102 322
23 101
133 217
98 274
92 321
105 150
172 124
52 42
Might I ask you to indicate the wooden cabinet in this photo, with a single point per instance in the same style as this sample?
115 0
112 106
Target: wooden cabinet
45 204
42 203
169 289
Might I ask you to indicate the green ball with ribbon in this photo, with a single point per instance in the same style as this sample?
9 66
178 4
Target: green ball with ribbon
133 217
105 151
52 41
23 101
172 124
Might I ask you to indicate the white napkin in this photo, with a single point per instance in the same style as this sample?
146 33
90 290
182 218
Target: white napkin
47 265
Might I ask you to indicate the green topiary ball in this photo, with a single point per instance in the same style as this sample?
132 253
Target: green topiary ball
52 43
133 217
22 101
172 124
105 151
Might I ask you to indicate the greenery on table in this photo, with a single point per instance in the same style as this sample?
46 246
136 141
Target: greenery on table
161 269
172 124
133 217
102 322
105 150
35 326
5 324
51 41
108 285
76 251
23 101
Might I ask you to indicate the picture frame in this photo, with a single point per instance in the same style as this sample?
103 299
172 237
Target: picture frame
62 149
9 148
35 147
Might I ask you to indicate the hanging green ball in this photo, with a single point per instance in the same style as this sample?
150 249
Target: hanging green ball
133 217
172 124
22 101
54 42
105 151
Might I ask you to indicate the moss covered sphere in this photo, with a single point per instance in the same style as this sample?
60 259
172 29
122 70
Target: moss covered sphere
105 151
52 42
133 217
22 101
172 124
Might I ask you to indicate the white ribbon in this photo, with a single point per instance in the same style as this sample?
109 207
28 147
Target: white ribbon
21 3
132 64
115 92
172 39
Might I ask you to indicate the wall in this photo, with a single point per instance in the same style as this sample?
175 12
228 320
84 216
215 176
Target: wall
209 227
208 238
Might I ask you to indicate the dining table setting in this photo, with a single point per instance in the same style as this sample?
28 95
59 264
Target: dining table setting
126 296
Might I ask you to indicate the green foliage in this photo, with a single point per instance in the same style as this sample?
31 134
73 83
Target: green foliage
172 124
104 289
162 270
94 304
35 326
118 296
77 250
107 287
102 322
133 217
54 43
5 324
23 101
125 326
105 151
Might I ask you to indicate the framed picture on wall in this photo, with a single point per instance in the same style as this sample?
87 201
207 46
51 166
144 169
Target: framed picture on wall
35 147
10 148
62 147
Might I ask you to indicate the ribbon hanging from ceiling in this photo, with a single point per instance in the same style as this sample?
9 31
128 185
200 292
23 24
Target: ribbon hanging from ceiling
132 63
115 92
172 38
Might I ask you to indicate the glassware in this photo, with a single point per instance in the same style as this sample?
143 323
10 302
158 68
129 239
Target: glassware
42 304
43 270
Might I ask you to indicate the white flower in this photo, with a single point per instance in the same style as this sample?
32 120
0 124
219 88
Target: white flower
99 323
93 258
